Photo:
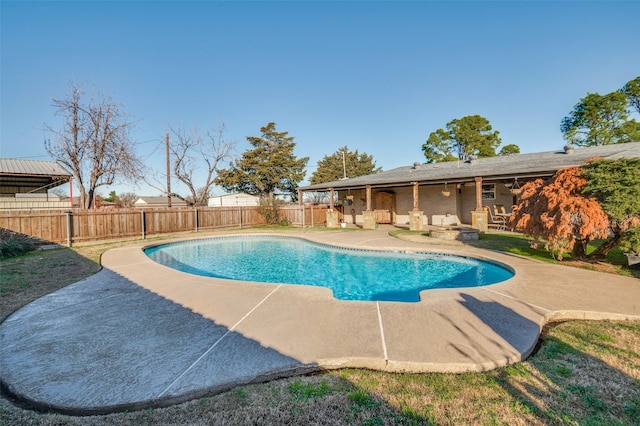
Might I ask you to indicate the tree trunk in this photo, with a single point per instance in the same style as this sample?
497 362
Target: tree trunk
83 194
579 251
604 248
90 198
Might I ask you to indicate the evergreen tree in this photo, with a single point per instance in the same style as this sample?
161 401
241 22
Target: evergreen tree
112 198
470 135
344 162
269 167
600 120
438 147
632 90
509 149
616 185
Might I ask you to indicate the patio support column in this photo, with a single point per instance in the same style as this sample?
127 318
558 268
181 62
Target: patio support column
368 216
415 215
478 193
479 217
333 221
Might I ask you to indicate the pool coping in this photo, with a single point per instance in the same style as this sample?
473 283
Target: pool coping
427 254
209 335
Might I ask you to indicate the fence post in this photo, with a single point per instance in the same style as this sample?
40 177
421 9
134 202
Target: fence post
240 209
196 219
142 219
69 233
312 209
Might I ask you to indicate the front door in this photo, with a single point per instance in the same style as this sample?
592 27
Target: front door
385 207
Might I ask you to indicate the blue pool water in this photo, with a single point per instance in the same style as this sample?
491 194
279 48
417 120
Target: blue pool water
351 274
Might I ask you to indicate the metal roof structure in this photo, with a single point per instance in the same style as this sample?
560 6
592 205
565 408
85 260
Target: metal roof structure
32 174
533 165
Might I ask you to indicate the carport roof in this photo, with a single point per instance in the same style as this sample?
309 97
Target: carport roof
31 173
539 164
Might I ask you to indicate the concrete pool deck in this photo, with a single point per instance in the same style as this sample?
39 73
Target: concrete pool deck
138 334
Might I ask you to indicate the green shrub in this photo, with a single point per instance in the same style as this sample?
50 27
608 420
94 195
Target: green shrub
269 209
14 244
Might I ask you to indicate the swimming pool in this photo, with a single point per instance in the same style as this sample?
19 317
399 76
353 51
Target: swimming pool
352 274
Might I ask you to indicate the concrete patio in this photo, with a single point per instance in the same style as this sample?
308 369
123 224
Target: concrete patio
139 334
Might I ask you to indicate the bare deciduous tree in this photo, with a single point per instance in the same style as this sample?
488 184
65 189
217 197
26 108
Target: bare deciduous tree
127 199
93 143
190 153
317 198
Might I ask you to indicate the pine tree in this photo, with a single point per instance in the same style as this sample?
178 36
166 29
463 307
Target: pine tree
470 135
270 167
600 120
344 162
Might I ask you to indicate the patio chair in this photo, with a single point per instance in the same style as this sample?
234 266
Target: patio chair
499 222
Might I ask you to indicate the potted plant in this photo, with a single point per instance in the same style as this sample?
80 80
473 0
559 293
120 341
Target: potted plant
515 188
445 191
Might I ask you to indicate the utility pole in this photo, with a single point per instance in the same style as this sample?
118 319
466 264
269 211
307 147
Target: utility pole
168 172
344 165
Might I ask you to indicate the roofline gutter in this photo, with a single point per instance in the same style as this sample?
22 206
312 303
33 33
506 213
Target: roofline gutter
439 181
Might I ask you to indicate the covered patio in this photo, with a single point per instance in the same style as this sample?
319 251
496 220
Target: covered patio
450 193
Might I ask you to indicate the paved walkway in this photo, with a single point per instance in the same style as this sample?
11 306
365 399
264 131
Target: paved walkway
138 334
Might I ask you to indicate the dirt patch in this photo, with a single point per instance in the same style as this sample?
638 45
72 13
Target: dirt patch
593 266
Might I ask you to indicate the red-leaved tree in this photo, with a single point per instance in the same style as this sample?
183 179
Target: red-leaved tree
557 212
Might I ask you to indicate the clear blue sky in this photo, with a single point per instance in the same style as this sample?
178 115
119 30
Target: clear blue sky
375 76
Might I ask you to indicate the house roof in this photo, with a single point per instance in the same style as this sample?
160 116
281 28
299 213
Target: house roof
533 165
15 166
31 173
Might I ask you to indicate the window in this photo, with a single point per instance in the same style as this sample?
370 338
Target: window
489 191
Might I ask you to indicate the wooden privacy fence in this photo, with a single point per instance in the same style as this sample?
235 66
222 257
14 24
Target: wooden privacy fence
68 227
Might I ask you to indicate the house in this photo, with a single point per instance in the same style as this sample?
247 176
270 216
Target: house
452 192
158 202
25 185
234 200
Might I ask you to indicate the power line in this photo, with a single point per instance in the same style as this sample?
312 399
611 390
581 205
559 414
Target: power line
154 150
147 141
